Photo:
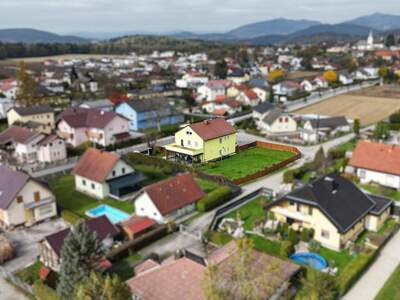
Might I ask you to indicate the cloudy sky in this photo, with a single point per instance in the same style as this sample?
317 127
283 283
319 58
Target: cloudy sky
66 16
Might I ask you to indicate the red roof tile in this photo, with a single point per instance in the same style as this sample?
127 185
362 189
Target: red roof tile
251 94
174 193
78 117
18 134
212 129
95 164
377 157
137 224
148 264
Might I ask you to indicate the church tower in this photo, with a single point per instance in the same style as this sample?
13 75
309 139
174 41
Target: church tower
370 40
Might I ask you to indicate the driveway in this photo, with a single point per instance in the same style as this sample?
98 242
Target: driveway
8 292
373 280
25 241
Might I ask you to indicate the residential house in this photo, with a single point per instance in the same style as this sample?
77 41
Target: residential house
286 89
192 80
335 208
237 76
277 122
9 88
24 200
315 129
203 141
79 125
100 174
168 275
376 162
170 199
149 113
320 82
104 105
222 107
248 97
261 110
41 115
50 247
5 105
345 78
29 146
213 89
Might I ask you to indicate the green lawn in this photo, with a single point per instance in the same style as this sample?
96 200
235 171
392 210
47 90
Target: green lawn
250 212
385 192
207 185
68 198
391 289
30 274
246 162
338 259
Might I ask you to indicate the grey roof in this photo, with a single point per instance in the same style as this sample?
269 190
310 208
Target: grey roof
382 203
148 104
11 182
263 107
33 110
272 116
342 202
329 122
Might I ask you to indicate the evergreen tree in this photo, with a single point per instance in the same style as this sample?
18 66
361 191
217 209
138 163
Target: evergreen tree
390 40
356 126
79 254
27 93
98 287
319 162
221 69
271 96
381 131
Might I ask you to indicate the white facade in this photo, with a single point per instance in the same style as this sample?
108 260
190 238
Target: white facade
5 105
210 93
384 179
283 124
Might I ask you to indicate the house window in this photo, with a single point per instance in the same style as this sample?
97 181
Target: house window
220 140
83 182
298 207
113 173
325 234
310 210
20 199
93 186
291 203
123 170
362 174
36 196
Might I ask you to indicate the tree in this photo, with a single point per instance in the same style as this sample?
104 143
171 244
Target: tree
356 126
271 96
221 69
98 287
381 131
319 162
276 75
239 279
318 286
27 93
395 118
330 76
79 255
390 40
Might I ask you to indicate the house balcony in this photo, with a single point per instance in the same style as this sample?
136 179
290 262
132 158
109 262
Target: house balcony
295 216
183 150
39 203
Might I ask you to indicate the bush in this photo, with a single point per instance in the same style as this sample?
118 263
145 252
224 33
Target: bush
43 292
354 270
337 153
214 199
314 246
286 249
305 235
288 176
70 217
292 236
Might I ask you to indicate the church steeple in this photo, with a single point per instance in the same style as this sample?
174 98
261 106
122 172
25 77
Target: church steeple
370 40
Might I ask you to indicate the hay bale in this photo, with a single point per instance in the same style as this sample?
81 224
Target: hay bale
6 249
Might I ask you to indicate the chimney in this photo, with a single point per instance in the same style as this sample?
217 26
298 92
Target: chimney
102 112
206 122
330 184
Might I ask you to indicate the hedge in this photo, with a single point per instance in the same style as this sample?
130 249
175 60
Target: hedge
354 270
43 292
70 217
214 199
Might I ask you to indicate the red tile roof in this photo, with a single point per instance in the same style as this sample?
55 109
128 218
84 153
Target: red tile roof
251 94
174 193
148 264
376 157
137 224
96 164
219 112
212 129
18 135
179 280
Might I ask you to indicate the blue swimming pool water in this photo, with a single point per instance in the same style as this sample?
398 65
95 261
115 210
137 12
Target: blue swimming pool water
310 259
114 215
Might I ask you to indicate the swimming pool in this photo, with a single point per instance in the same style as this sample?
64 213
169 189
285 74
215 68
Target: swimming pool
114 215
310 259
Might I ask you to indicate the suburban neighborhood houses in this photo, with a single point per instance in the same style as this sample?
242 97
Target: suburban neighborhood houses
259 163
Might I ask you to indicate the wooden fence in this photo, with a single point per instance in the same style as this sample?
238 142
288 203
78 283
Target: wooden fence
273 168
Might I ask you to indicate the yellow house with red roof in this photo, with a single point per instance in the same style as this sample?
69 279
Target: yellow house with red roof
203 141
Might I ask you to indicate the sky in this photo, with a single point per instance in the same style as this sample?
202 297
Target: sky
73 16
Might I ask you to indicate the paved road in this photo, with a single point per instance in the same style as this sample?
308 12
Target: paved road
8 292
373 280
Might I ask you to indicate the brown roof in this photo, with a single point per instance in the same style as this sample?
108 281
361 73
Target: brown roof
95 164
180 279
78 117
11 182
174 193
17 134
146 265
137 224
377 157
212 129
101 225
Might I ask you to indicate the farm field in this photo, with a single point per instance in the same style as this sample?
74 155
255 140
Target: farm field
385 91
246 162
367 109
39 59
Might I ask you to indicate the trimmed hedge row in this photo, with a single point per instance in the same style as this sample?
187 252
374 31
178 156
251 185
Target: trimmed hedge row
354 270
214 199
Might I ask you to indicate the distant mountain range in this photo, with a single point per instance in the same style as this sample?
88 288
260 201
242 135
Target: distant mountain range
267 32
27 35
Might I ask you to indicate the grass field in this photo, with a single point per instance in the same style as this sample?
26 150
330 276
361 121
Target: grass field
391 289
368 110
68 198
246 162
250 212
385 91
39 59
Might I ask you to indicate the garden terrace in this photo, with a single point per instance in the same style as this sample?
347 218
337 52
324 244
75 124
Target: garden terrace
253 161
